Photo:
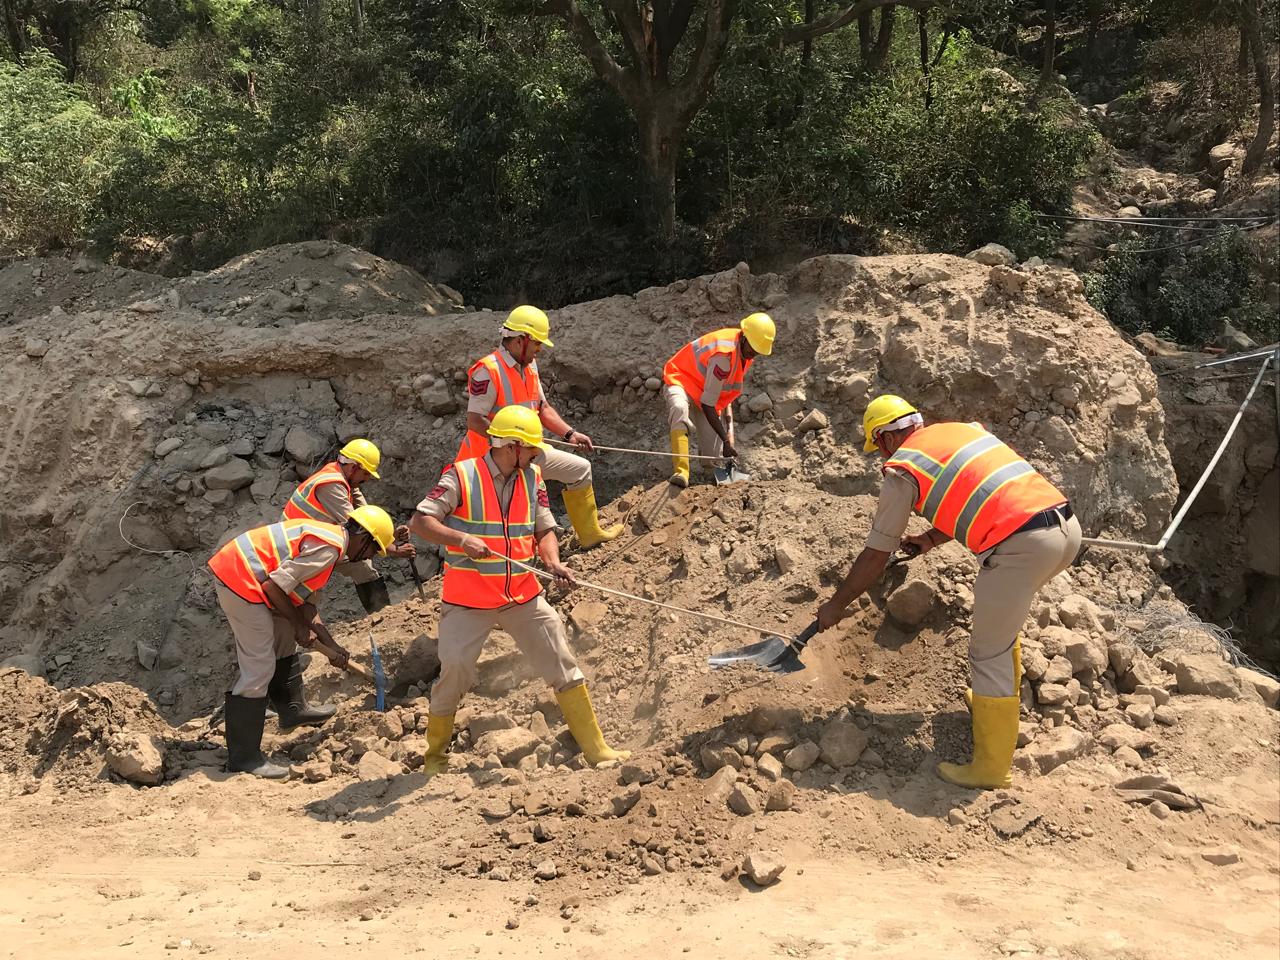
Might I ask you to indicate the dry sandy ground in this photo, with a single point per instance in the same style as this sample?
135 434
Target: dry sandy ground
236 868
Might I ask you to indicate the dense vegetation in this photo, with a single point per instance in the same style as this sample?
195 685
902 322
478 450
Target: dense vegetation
555 151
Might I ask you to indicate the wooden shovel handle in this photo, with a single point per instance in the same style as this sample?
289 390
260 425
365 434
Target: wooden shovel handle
321 647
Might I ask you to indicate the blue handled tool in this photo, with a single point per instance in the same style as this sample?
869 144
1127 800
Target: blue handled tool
379 678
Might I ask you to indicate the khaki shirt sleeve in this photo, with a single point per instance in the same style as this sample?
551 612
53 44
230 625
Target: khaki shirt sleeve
481 393
333 501
305 566
897 498
443 498
357 498
543 519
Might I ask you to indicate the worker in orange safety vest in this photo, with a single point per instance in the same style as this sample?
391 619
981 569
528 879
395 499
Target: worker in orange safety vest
700 384
266 580
330 495
484 511
974 489
509 377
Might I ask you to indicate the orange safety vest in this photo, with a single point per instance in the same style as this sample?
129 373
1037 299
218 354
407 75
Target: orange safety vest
973 487
688 368
243 564
304 505
493 582
516 385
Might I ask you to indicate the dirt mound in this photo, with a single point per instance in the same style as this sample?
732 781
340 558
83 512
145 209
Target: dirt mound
52 287
318 279
76 736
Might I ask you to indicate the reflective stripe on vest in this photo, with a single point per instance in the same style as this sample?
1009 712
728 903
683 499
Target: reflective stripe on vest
492 582
973 487
516 386
689 367
304 505
244 564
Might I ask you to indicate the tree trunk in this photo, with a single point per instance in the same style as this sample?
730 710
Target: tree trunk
1047 73
14 29
1266 87
357 17
884 39
926 67
1242 58
806 57
660 137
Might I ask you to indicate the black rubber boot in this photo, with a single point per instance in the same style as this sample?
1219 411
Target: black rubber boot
243 719
290 700
373 595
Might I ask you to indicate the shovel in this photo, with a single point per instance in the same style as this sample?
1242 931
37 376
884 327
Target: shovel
379 678
782 656
729 473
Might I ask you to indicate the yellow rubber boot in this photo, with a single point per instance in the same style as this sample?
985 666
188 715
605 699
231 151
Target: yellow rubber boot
439 733
995 735
585 518
680 457
581 718
1017 676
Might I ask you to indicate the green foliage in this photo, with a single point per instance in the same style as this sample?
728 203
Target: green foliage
56 151
1181 293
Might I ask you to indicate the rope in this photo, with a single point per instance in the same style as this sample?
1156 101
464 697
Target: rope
647 453
1195 491
631 596
158 553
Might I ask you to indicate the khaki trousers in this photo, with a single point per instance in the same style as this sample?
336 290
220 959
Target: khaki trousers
564 467
683 414
536 629
262 636
1009 577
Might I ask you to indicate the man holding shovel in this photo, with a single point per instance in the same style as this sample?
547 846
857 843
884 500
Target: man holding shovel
487 512
974 489
509 377
700 384
266 579
330 495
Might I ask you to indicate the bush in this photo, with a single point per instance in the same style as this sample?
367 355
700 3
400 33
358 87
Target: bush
56 150
1181 294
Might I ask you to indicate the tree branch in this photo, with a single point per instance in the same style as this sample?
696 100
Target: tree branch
842 18
695 85
627 15
607 68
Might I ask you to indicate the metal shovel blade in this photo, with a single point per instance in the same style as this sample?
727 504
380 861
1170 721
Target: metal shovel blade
379 678
787 662
760 653
729 473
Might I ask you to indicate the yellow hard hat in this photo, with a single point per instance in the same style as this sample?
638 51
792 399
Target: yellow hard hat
530 320
377 522
518 423
883 410
365 454
759 331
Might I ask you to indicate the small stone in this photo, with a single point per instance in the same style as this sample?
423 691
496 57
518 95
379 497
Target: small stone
1127 756
744 801
1057 672
814 420
374 766
1141 715
1206 674
304 445
912 602
623 802
232 475
957 817
763 868
652 384
255 874
769 767
137 757
760 402
716 755
993 254
781 796
36 348
802 756
1165 715
1268 688
1052 694
511 745
1158 809
167 446
546 870
842 743
1220 856
513 923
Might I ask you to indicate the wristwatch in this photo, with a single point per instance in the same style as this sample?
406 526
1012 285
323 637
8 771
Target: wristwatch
569 435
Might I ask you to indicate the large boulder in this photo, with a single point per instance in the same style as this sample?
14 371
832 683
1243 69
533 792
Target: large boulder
911 603
1207 674
137 757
